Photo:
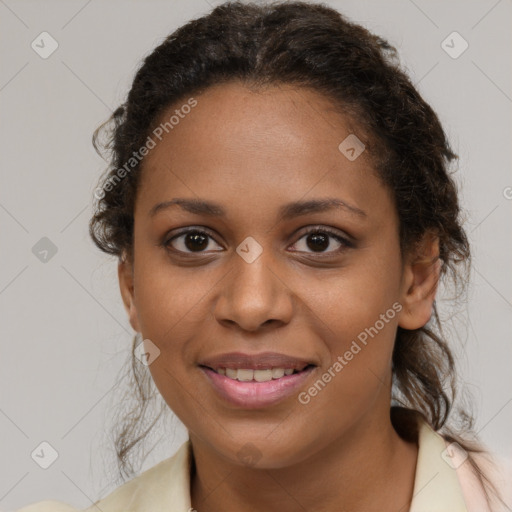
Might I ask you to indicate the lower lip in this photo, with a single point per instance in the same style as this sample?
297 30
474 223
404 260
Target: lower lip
252 394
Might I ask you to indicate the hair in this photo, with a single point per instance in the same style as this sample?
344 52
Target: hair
311 46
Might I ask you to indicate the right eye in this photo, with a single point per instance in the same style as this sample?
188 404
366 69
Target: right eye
189 241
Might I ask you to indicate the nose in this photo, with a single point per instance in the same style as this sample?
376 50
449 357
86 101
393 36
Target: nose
254 296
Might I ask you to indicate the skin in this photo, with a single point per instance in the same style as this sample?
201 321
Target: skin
253 151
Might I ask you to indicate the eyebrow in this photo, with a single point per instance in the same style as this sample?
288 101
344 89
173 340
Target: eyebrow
286 212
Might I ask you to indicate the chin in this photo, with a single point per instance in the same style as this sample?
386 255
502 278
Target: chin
259 452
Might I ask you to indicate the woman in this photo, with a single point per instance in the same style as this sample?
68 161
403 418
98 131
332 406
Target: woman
280 203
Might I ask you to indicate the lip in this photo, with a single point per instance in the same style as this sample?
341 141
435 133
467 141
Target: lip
252 394
256 361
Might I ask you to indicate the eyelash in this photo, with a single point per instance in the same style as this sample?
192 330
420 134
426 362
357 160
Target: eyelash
316 229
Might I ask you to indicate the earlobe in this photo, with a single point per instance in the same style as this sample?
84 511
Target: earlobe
126 286
419 285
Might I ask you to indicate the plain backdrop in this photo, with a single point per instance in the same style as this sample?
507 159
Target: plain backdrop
64 332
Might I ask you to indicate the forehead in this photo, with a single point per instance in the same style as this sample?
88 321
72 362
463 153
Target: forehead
234 114
236 140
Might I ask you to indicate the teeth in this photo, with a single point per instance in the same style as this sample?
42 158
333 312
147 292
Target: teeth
246 375
277 373
232 374
262 375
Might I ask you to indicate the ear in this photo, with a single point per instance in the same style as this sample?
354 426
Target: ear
126 285
419 283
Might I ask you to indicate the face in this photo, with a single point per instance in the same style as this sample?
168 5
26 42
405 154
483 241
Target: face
258 274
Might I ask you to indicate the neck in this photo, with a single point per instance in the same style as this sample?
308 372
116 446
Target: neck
367 468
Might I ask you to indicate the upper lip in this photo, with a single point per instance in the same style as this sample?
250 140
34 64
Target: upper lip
259 361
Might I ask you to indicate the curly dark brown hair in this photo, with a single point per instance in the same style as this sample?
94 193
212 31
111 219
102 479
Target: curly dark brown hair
313 46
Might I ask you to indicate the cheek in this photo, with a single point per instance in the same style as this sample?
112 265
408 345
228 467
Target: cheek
360 339
356 297
357 377
168 299
359 312
168 305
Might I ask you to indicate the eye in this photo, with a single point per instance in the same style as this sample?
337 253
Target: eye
318 239
189 241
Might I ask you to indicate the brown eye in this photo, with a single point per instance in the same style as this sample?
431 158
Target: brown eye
320 239
190 241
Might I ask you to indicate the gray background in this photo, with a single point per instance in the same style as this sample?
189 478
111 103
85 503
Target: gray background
64 332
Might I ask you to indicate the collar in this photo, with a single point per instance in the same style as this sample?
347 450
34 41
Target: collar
436 482
167 484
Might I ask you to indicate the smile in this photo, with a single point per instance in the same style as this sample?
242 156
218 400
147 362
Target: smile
252 389
263 375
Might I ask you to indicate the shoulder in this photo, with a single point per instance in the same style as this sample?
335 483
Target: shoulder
497 473
485 479
164 486
450 474
48 506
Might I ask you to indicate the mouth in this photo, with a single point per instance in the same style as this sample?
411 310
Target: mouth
257 375
256 382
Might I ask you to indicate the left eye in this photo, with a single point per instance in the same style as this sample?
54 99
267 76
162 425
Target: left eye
318 239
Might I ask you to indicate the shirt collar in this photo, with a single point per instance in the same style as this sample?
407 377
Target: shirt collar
167 484
436 484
